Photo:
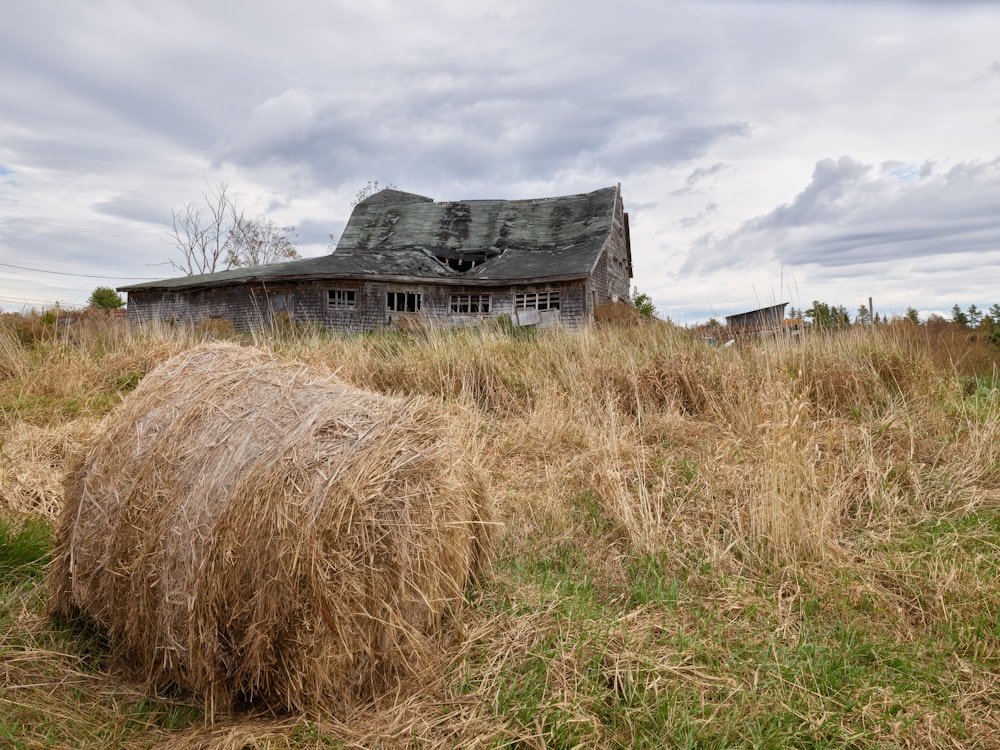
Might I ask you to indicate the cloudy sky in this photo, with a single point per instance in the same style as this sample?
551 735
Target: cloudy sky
767 151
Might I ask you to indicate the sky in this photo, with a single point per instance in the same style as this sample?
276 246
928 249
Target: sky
767 152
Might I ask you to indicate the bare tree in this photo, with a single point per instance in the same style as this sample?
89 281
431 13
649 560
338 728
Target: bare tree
215 235
369 189
201 232
256 242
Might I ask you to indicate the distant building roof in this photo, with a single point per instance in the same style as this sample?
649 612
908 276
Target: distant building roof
394 235
762 318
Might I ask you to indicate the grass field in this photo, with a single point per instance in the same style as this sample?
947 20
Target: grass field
777 545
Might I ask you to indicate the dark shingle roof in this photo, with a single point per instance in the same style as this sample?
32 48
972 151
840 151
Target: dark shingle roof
397 235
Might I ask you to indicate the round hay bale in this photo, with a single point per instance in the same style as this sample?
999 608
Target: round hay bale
259 532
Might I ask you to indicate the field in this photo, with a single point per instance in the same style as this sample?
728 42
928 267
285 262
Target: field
776 545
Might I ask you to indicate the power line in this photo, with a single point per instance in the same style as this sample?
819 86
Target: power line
82 275
25 300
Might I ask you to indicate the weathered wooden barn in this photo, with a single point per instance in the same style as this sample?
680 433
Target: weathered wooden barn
403 257
763 320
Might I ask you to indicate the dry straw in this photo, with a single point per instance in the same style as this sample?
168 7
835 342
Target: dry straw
32 464
257 531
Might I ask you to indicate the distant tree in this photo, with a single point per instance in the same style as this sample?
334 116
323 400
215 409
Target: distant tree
713 323
991 323
643 303
974 315
958 317
878 319
105 298
864 315
819 314
828 316
912 315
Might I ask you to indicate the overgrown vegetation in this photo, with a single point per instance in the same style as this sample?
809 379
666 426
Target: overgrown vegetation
778 544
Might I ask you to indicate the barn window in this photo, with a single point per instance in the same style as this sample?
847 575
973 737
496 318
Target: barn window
470 303
537 301
341 299
403 302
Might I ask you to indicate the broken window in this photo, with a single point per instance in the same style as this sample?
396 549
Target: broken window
537 301
457 259
403 302
457 264
470 303
341 299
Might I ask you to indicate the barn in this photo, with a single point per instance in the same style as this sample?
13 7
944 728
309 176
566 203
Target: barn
404 258
763 320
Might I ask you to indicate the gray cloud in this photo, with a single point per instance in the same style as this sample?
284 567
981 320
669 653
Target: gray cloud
111 113
852 214
691 221
135 208
700 174
72 248
471 136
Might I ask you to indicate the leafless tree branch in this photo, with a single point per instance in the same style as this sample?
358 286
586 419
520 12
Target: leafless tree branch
216 235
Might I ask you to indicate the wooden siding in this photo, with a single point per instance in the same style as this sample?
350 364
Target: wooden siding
611 278
257 306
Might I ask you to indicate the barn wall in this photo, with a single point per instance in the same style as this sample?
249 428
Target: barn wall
238 304
766 318
257 306
611 279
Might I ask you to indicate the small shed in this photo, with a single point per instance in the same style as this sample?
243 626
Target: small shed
762 320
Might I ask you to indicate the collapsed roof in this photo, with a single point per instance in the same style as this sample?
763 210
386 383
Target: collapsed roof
394 235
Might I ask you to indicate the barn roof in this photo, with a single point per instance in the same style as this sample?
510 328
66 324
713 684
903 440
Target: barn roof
394 235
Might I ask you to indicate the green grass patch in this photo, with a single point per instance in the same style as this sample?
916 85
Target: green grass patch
24 550
709 660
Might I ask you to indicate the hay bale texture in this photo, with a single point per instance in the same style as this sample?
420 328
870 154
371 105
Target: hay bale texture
257 531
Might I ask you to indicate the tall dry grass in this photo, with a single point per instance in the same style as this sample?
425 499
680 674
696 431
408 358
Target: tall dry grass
692 537
770 451
56 383
773 451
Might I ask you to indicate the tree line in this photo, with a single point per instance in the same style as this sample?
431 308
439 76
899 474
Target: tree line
972 318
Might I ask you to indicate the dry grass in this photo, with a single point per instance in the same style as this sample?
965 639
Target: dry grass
34 461
774 545
258 532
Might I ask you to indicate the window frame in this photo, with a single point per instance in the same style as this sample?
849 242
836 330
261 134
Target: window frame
341 298
470 304
393 300
541 301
